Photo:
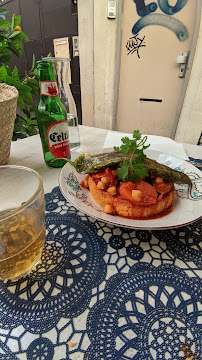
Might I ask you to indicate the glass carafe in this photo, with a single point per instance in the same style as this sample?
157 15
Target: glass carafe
61 67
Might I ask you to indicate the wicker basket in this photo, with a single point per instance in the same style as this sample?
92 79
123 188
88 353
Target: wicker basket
8 104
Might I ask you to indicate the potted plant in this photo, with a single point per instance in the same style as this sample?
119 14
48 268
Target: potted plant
11 37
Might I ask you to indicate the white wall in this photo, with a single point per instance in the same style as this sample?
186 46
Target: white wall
190 122
86 57
99 42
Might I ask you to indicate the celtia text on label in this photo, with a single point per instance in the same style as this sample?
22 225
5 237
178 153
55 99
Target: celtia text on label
55 137
58 139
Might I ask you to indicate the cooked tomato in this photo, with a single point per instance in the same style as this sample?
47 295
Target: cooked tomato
149 194
82 183
97 177
163 187
112 180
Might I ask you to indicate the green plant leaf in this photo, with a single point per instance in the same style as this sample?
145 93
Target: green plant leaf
5 24
4 59
25 126
24 36
11 43
26 112
13 49
3 12
33 109
16 40
33 117
9 72
15 74
25 88
16 20
33 63
20 103
14 137
35 72
27 97
3 74
14 34
3 35
13 82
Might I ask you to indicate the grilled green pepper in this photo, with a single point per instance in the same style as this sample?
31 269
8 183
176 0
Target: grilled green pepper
89 164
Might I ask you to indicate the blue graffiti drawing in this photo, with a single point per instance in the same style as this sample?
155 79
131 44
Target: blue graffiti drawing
170 23
148 18
170 10
143 9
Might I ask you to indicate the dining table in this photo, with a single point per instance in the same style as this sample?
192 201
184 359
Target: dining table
103 290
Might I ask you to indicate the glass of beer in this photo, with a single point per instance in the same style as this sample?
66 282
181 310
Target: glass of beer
22 220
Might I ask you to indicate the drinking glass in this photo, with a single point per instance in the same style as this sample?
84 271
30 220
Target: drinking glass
22 220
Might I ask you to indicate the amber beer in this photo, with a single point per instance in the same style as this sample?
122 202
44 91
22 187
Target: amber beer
22 240
52 117
22 220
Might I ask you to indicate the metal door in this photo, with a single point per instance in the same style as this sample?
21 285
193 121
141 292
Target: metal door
156 42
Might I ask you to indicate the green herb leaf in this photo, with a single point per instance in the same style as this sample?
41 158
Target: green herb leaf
133 169
122 172
136 134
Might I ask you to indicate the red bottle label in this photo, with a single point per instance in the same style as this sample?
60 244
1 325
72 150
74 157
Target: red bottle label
48 88
58 139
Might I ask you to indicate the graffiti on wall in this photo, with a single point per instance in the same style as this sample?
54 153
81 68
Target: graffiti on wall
134 44
149 17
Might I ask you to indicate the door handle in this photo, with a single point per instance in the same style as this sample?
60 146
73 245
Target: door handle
182 60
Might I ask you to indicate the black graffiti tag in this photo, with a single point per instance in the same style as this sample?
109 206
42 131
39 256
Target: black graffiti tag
134 44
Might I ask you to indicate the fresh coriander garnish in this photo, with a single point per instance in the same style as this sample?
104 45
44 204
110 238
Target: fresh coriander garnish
132 169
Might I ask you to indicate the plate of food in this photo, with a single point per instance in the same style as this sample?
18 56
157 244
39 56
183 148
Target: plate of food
127 188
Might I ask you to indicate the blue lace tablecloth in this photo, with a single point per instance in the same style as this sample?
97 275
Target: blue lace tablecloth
105 292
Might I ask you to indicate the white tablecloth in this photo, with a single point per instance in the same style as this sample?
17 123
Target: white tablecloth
101 291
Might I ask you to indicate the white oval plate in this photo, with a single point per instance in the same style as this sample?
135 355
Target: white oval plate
187 201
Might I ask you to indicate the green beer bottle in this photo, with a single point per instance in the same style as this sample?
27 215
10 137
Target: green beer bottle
52 118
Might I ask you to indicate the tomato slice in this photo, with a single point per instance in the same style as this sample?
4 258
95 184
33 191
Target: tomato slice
149 194
163 187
